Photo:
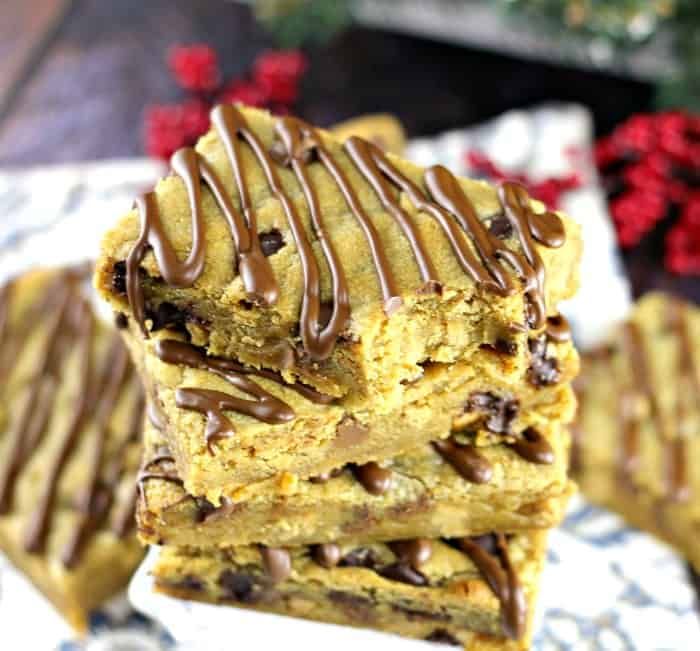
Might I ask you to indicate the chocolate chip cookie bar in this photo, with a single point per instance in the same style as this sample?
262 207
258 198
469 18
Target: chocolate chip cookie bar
638 430
223 442
71 410
448 488
336 265
476 592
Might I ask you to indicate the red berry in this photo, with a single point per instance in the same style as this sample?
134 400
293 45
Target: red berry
682 255
195 67
278 73
636 135
244 92
606 152
635 213
169 127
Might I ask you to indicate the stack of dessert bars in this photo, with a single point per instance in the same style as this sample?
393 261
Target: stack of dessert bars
358 381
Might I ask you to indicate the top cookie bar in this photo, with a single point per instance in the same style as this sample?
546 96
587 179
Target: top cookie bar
338 265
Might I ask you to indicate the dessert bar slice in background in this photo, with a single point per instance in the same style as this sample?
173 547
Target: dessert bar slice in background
478 592
228 426
638 431
448 488
71 412
335 264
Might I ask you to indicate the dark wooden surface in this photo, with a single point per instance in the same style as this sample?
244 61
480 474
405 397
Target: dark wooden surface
92 71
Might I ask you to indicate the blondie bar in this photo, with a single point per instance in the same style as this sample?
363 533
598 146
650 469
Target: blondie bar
222 441
638 430
336 265
70 424
476 592
381 129
448 488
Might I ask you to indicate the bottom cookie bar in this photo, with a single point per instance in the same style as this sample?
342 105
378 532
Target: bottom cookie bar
478 592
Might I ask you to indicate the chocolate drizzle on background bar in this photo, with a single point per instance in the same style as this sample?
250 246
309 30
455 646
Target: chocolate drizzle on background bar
674 454
69 327
298 144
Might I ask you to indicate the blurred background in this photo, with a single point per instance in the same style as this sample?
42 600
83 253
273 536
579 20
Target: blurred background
93 79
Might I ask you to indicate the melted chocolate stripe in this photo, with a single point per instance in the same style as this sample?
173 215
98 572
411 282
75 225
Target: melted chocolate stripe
501 284
38 401
533 447
94 503
212 404
365 156
465 459
498 572
40 519
124 519
298 138
516 203
316 345
254 267
675 456
446 191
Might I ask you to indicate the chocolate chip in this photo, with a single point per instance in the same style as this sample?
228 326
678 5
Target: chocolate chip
404 573
356 607
327 555
361 557
167 315
501 227
417 615
502 347
543 370
204 509
190 583
349 432
119 278
238 586
121 321
374 479
500 412
277 563
441 636
414 552
271 242
326 476
487 542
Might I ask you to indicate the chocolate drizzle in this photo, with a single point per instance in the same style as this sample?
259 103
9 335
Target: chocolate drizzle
675 457
264 406
297 145
674 470
68 327
374 479
465 459
533 447
490 555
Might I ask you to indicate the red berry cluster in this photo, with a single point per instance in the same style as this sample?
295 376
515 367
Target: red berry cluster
650 165
273 84
548 191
